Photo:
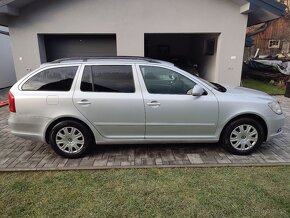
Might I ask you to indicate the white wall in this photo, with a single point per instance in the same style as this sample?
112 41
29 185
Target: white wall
130 20
209 69
7 71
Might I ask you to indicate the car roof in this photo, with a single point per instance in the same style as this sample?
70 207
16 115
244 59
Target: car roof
108 59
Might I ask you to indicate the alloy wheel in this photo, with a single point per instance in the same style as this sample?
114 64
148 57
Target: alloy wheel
70 140
244 137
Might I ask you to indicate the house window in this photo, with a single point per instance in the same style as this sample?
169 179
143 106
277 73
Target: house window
274 43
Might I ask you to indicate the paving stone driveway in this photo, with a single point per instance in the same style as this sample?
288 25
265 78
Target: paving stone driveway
20 154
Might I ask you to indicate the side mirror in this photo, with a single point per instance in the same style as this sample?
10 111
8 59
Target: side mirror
196 91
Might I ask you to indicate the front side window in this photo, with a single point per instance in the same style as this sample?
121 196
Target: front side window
54 79
160 80
108 79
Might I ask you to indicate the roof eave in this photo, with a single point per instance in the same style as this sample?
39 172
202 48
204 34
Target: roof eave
262 11
259 11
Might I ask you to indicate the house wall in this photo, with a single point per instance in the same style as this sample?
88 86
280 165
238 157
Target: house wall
7 71
210 62
276 30
130 20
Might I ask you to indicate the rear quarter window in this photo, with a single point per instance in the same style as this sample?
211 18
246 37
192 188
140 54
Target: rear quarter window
53 79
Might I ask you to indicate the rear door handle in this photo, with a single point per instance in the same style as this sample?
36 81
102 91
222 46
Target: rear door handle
84 102
154 104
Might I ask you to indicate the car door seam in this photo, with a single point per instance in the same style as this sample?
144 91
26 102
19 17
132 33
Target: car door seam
144 106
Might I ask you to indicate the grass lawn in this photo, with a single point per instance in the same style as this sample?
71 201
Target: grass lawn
205 192
263 86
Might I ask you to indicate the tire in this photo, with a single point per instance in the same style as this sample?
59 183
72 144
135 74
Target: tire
70 139
243 136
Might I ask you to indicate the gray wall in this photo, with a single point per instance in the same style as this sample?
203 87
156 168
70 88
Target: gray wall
210 62
7 71
129 20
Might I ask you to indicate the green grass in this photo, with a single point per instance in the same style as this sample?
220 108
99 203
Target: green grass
203 192
263 86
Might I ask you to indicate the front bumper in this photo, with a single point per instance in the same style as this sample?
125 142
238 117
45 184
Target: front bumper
275 126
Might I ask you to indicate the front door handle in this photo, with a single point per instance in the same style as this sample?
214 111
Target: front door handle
154 104
84 102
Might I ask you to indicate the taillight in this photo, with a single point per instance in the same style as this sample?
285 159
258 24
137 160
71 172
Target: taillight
11 103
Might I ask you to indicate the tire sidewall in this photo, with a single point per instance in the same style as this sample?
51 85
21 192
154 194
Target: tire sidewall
83 129
243 121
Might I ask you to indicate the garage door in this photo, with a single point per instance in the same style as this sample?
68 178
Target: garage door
65 46
193 52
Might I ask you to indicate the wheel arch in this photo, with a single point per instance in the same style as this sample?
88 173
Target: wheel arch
58 120
248 115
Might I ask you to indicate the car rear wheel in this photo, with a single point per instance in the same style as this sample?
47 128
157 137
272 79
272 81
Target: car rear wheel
70 139
243 136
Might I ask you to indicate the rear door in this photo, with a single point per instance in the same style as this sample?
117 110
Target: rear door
109 96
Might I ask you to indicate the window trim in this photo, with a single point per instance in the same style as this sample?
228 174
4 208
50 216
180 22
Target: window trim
105 64
274 46
167 68
39 70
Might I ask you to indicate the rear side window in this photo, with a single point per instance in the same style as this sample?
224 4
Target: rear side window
108 79
54 79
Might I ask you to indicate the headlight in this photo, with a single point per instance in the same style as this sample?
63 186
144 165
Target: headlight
275 106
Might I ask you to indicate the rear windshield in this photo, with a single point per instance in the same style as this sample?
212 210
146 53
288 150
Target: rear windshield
53 79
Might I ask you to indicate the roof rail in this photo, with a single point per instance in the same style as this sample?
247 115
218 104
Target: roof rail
85 59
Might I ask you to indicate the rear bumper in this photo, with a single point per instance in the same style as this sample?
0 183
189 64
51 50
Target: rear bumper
275 126
29 127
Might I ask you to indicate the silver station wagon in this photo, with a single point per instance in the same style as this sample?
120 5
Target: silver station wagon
73 104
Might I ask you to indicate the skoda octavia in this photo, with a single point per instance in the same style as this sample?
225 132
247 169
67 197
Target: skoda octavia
73 104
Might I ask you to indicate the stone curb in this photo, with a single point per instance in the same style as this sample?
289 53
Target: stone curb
145 167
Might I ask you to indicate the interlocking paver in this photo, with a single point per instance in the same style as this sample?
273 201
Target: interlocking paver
100 163
195 159
21 154
222 159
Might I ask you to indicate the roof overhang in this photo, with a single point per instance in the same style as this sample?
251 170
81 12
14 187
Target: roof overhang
11 8
259 11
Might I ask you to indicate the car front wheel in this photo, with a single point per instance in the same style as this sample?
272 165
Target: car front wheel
243 136
70 139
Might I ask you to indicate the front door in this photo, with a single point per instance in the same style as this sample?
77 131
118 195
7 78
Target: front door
109 96
170 111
